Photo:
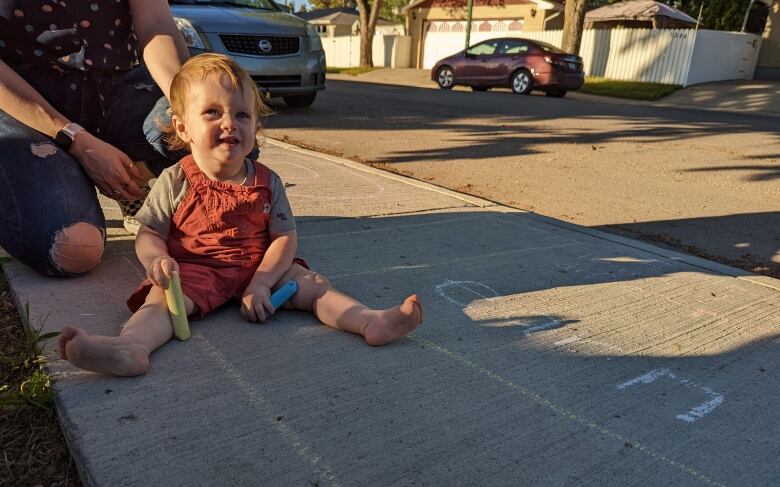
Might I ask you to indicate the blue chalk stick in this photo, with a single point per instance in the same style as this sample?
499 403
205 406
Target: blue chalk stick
283 294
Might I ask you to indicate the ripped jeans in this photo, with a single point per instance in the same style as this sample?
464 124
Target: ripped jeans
50 218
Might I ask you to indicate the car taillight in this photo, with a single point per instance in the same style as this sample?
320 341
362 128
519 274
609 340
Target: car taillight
555 62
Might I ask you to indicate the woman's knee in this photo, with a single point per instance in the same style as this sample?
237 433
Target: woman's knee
77 248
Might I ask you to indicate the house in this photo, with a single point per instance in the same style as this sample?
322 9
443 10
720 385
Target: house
345 21
437 27
768 66
638 14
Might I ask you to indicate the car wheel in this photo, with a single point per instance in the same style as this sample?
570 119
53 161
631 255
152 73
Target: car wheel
445 78
300 101
479 88
522 82
556 93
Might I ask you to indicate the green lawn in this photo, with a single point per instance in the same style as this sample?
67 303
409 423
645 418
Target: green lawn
349 71
627 89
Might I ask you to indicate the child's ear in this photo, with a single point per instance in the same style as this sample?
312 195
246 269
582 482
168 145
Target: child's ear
180 128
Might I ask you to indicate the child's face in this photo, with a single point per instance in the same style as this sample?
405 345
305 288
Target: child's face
218 123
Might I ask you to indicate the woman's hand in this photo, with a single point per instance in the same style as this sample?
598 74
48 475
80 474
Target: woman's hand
256 303
160 271
110 169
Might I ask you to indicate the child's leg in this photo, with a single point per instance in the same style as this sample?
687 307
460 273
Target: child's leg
337 310
128 353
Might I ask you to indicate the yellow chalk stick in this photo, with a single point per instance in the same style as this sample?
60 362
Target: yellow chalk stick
175 298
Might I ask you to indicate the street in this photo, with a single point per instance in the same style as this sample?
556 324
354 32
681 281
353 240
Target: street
702 182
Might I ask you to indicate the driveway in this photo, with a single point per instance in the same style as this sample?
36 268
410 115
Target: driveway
698 180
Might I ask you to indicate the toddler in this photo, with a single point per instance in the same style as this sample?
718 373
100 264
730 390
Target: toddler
224 223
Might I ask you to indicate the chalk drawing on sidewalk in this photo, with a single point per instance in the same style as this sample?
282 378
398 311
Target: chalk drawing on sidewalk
475 288
696 413
485 306
590 341
312 175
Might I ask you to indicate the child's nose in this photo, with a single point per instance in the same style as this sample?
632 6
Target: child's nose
228 122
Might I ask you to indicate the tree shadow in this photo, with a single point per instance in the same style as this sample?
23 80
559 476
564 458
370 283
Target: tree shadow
766 172
748 241
501 124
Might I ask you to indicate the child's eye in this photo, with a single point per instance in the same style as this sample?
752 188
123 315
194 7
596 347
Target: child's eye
211 112
244 115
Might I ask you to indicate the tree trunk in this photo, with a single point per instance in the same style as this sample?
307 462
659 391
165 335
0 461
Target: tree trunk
369 14
573 21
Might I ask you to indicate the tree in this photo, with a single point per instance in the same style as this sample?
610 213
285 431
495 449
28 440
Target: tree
369 14
573 21
321 4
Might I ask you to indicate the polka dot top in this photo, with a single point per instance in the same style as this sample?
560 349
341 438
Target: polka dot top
92 35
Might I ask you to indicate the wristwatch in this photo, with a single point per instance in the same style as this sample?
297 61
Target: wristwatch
66 134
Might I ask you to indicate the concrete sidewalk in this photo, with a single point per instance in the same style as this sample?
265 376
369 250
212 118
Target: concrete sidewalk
550 355
743 96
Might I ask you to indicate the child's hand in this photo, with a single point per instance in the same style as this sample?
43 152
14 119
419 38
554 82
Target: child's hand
256 303
160 271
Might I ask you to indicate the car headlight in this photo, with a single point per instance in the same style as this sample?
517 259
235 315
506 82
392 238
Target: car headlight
191 36
315 43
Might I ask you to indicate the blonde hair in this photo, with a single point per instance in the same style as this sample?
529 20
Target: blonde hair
199 68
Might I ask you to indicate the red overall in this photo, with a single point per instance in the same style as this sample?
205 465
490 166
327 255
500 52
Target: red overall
219 234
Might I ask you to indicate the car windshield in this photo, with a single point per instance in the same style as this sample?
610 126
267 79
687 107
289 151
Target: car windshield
258 4
549 48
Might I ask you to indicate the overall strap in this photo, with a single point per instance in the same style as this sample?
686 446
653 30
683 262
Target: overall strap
262 177
191 170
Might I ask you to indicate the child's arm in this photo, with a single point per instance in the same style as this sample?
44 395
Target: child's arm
256 301
153 254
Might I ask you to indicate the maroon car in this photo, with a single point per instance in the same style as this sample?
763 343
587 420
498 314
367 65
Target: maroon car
520 64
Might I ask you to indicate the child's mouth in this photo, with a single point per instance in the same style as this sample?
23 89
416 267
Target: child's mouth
229 140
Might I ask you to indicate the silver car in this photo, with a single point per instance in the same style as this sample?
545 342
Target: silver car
282 52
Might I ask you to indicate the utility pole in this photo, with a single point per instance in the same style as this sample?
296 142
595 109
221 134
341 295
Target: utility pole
468 23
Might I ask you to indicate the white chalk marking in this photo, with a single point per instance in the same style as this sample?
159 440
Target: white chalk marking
552 323
441 290
579 339
319 194
567 341
694 414
647 378
701 410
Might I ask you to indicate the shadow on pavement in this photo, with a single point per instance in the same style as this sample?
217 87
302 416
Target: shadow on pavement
739 240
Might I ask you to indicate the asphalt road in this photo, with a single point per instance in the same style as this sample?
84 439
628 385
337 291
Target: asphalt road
700 181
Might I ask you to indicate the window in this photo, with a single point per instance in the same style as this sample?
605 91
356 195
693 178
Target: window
322 29
513 47
484 49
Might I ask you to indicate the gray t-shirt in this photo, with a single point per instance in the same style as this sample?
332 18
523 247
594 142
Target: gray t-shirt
172 185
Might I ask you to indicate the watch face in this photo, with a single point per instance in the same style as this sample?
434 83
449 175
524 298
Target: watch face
63 139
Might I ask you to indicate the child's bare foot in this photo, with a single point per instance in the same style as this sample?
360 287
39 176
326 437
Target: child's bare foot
391 324
107 355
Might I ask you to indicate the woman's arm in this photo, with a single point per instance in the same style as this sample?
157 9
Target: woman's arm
23 102
163 46
108 167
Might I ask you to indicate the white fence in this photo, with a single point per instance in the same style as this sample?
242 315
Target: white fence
681 57
388 51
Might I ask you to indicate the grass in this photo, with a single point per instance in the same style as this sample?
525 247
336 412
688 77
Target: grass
350 71
32 448
633 90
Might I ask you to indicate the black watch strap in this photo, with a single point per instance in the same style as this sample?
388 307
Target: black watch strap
64 137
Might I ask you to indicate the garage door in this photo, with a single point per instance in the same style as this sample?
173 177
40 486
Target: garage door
446 37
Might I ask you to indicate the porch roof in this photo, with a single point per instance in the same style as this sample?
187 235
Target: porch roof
637 10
